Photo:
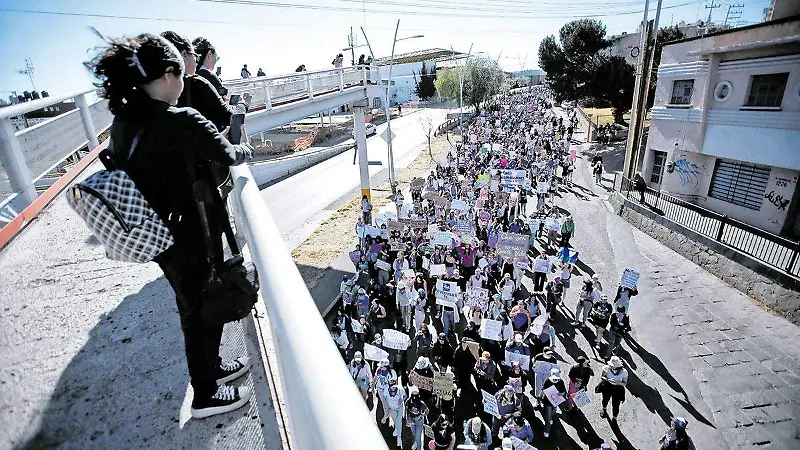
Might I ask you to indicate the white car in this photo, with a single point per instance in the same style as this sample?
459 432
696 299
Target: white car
371 129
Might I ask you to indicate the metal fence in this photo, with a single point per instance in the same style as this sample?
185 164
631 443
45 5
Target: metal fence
770 249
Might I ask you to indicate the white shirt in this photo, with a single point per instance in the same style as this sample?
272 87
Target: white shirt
396 400
614 378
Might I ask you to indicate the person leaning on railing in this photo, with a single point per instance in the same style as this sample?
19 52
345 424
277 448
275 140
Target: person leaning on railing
142 78
207 59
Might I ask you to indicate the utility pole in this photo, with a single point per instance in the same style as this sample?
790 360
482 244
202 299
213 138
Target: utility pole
734 12
351 42
710 9
629 166
29 71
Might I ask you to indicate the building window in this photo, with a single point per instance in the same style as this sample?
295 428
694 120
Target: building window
739 183
659 159
682 92
767 90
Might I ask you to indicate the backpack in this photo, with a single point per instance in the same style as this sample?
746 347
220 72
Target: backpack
118 214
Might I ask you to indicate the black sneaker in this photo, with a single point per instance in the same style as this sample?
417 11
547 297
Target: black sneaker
227 399
231 370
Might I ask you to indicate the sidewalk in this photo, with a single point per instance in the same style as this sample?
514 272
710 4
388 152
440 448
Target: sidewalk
705 351
92 356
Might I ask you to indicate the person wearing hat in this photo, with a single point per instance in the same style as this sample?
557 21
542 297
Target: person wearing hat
620 327
519 428
579 375
495 308
423 341
676 437
361 303
380 384
403 300
424 368
419 303
515 377
486 373
361 374
599 317
624 295
507 288
395 402
553 292
547 356
477 433
516 345
548 407
596 284
416 411
340 337
442 351
520 316
614 378
507 405
567 231
587 298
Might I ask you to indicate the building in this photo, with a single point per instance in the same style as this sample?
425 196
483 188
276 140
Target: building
533 76
779 9
627 44
725 130
407 68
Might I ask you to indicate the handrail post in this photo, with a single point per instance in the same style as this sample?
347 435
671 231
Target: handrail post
267 95
793 259
19 176
721 227
86 118
341 80
308 86
364 74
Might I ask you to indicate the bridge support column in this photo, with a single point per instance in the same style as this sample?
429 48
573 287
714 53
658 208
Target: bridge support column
361 144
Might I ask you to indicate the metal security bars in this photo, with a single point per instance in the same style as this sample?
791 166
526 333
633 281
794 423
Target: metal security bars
770 249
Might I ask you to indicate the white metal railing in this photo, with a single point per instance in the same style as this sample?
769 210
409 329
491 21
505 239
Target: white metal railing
273 91
325 409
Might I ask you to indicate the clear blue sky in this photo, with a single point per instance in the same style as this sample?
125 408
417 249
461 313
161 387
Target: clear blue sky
279 35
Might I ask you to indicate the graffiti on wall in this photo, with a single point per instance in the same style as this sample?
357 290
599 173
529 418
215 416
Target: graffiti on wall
690 172
777 200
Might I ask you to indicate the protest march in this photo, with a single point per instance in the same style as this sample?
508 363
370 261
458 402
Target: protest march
456 292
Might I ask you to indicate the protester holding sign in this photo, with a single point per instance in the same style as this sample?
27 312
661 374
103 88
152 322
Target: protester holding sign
554 393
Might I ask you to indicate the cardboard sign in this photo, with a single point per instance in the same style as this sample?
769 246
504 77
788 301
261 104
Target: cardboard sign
516 384
512 245
437 269
373 231
629 278
523 360
474 348
554 396
373 353
478 298
490 404
447 292
383 265
419 224
512 177
417 184
519 444
424 383
443 383
355 257
357 327
492 329
581 398
537 326
464 226
395 339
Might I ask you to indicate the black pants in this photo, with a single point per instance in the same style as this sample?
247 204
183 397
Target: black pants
185 269
565 237
538 280
616 394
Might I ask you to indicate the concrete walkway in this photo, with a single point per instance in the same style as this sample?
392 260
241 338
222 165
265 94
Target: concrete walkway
91 352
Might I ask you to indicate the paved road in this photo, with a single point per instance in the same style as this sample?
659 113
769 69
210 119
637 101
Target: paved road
302 202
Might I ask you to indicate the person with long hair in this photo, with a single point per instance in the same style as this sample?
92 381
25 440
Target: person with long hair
142 78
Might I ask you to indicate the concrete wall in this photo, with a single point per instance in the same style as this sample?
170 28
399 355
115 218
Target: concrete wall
270 171
770 287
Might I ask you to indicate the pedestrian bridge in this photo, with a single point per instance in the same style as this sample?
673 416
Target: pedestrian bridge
90 351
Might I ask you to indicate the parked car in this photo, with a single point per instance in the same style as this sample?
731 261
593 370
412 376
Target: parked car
371 129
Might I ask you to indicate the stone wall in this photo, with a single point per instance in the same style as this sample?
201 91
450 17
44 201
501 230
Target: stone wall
770 287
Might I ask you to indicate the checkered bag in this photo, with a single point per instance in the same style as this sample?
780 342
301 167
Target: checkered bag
119 216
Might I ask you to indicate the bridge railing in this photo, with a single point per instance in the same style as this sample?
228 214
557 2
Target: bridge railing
268 92
325 409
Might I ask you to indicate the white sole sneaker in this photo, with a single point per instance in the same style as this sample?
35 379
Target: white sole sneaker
244 398
246 365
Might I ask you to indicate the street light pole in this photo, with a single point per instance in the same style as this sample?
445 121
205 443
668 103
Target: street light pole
461 90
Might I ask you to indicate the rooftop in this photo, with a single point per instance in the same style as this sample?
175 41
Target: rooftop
432 54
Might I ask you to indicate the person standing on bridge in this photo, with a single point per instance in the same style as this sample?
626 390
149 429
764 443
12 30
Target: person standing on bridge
142 78
245 73
207 59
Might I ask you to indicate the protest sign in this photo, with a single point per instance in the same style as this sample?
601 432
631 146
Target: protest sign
523 360
397 246
425 383
459 205
429 432
417 184
355 257
554 396
394 225
437 269
373 353
446 293
474 348
541 265
533 224
443 383
519 444
629 278
485 215
522 262
491 329
512 177
373 231
490 404
512 244
395 339
383 265
478 298
444 238
581 398
552 224
419 224
357 327
494 186
464 226
542 370
516 384
537 327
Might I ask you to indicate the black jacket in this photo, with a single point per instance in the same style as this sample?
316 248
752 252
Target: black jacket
159 167
620 327
201 95
214 80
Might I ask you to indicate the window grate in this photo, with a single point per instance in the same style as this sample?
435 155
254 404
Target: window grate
659 158
682 91
767 90
739 183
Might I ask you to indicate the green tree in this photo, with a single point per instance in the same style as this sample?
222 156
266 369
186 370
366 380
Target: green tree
425 88
446 83
483 79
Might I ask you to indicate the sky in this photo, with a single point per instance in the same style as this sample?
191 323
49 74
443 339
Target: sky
279 35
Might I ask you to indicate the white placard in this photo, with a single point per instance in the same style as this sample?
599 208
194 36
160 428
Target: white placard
460 205
395 339
478 298
444 238
553 395
541 265
519 444
447 292
581 398
491 329
630 278
490 404
437 269
373 353
383 265
523 360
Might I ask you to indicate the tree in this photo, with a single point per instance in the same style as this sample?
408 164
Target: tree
578 68
425 88
446 83
426 121
483 79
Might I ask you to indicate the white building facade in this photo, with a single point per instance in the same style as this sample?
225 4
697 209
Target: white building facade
725 129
